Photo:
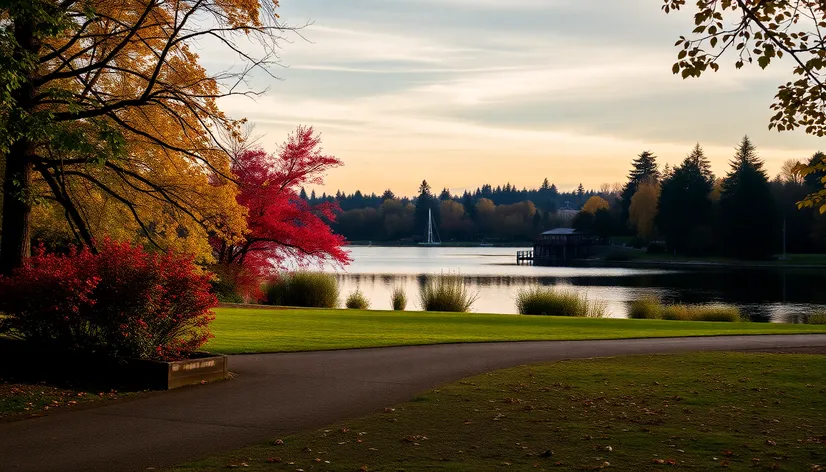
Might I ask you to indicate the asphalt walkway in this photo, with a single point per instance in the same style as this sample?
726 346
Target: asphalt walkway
278 394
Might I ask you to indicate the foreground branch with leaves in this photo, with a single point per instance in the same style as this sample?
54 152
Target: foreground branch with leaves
108 119
766 32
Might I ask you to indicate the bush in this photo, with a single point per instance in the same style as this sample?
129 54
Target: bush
645 308
555 302
398 299
121 302
357 301
818 318
652 309
446 293
303 289
233 283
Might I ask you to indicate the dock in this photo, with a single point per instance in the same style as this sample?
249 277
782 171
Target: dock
524 256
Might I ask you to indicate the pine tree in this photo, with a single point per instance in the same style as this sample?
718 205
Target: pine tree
303 194
684 209
387 195
445 195
424 188
748 224
545 184
644 169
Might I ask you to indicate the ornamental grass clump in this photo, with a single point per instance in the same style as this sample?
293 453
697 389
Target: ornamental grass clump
555 302
357 301
121 302
398 299
652 309
447 293
818 318
303 289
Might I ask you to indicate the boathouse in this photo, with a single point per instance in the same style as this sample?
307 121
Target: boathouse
561 245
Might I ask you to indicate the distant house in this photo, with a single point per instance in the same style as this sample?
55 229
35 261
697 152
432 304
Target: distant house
563 244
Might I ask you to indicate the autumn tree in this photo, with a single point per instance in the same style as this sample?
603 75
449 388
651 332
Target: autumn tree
454 221
763 32
595 204
643 169
281 225
748 216
643 209
106 103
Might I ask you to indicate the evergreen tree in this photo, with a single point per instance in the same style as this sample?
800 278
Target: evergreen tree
684 209
748 214
580 193
554 190
644 169
388 195
425 204
312 196
303 194
445 195
545 185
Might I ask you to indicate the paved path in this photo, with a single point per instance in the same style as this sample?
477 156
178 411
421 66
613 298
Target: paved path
276 394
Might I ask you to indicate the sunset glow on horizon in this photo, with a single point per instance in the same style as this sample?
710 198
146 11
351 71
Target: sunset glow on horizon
464 93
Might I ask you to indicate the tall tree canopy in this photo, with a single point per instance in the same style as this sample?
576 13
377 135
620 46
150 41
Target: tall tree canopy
105 106
684 210
764 32
643 209
282 226
748 216
643 169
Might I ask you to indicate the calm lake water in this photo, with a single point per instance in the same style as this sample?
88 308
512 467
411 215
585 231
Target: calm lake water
765 295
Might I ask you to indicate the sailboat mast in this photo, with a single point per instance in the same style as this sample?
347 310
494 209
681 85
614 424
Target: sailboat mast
429 226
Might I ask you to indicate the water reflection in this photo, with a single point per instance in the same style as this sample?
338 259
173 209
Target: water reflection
765 295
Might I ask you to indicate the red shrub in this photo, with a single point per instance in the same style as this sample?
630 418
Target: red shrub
121 302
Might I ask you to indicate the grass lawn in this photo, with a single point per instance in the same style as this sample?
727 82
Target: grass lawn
249 330
695 411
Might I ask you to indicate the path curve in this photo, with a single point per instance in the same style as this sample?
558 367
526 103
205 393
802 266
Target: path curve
278 394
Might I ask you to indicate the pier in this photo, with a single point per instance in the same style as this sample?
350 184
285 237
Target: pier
524 256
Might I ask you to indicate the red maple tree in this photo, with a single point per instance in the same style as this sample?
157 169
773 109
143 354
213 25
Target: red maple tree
284 230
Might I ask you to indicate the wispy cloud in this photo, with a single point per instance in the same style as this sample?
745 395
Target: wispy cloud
469 91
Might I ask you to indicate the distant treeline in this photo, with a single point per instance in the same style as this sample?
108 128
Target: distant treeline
684 209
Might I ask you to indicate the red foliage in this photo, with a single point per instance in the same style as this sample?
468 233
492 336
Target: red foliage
121 302
283 228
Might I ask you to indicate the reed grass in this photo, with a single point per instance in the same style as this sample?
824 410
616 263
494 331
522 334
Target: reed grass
357 301
653 309
398 299
554 302
818 318
303 289
447 293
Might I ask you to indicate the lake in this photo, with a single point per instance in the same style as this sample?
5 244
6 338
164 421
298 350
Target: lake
763 294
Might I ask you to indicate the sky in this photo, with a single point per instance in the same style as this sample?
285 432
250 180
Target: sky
468 92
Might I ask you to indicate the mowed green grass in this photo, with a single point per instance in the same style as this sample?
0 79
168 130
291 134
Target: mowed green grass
252 330
700 411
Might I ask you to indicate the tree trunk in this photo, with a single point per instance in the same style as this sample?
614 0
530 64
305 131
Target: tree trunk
15 245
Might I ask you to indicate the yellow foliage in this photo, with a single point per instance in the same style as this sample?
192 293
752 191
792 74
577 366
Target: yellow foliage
594 204
171 184
643 209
